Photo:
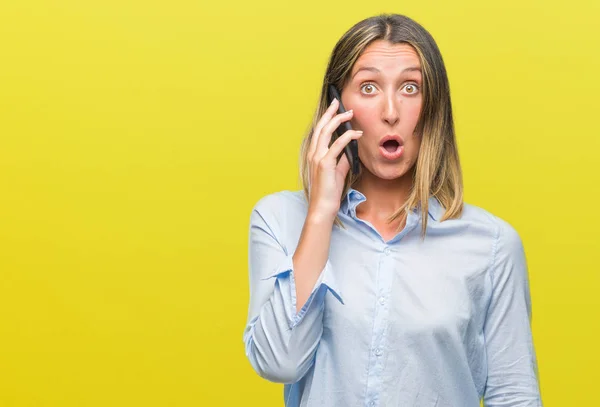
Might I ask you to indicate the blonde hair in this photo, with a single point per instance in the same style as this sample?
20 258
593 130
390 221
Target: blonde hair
437 171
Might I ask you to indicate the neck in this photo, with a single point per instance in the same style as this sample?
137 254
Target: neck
384 197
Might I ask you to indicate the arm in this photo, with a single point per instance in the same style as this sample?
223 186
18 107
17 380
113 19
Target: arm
285 316
512 366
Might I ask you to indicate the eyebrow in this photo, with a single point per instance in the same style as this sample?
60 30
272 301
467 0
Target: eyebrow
373 69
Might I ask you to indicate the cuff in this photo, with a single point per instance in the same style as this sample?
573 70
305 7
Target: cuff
285 276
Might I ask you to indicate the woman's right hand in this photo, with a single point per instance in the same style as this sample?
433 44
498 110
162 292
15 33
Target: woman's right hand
326 179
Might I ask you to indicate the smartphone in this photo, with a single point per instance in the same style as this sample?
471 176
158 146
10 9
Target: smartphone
351 149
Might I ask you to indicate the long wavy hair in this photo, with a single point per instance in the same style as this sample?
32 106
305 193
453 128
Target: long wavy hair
437 171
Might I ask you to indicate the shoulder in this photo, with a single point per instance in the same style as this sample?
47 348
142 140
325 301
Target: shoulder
507 242
281 201
503 233
281 206
476 214
281 214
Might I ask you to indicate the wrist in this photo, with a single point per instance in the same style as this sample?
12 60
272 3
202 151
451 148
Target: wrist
320 217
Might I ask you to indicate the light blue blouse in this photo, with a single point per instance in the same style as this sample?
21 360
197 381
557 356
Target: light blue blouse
442 322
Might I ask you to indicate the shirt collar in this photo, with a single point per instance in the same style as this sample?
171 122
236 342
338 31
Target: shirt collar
354 197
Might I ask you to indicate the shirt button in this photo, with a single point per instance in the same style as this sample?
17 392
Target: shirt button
381 300
371 404
378 352
386 251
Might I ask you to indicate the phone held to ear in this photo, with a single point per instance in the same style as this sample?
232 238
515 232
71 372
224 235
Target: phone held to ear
351 149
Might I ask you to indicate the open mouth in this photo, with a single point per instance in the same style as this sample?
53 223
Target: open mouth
391 146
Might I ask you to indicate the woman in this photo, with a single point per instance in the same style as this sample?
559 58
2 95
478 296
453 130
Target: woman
349 304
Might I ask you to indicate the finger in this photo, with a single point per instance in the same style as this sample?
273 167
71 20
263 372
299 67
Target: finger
338 146
326 133
329 113
342 167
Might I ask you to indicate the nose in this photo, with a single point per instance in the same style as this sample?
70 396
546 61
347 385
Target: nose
390 111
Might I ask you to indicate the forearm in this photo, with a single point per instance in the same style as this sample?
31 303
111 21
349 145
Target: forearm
281 336
311 255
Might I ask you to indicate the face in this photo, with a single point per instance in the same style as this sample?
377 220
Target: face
386 99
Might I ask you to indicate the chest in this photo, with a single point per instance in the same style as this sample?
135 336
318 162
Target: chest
386 230
409 290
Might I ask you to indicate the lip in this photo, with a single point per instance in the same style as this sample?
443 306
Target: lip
391 137
396 154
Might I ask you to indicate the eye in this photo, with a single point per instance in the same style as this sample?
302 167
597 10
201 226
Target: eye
370 85
413 88
369 88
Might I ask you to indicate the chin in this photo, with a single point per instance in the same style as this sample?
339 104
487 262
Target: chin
388 172
392 175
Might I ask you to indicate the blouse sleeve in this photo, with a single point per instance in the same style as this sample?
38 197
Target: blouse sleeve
280 343
513 376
